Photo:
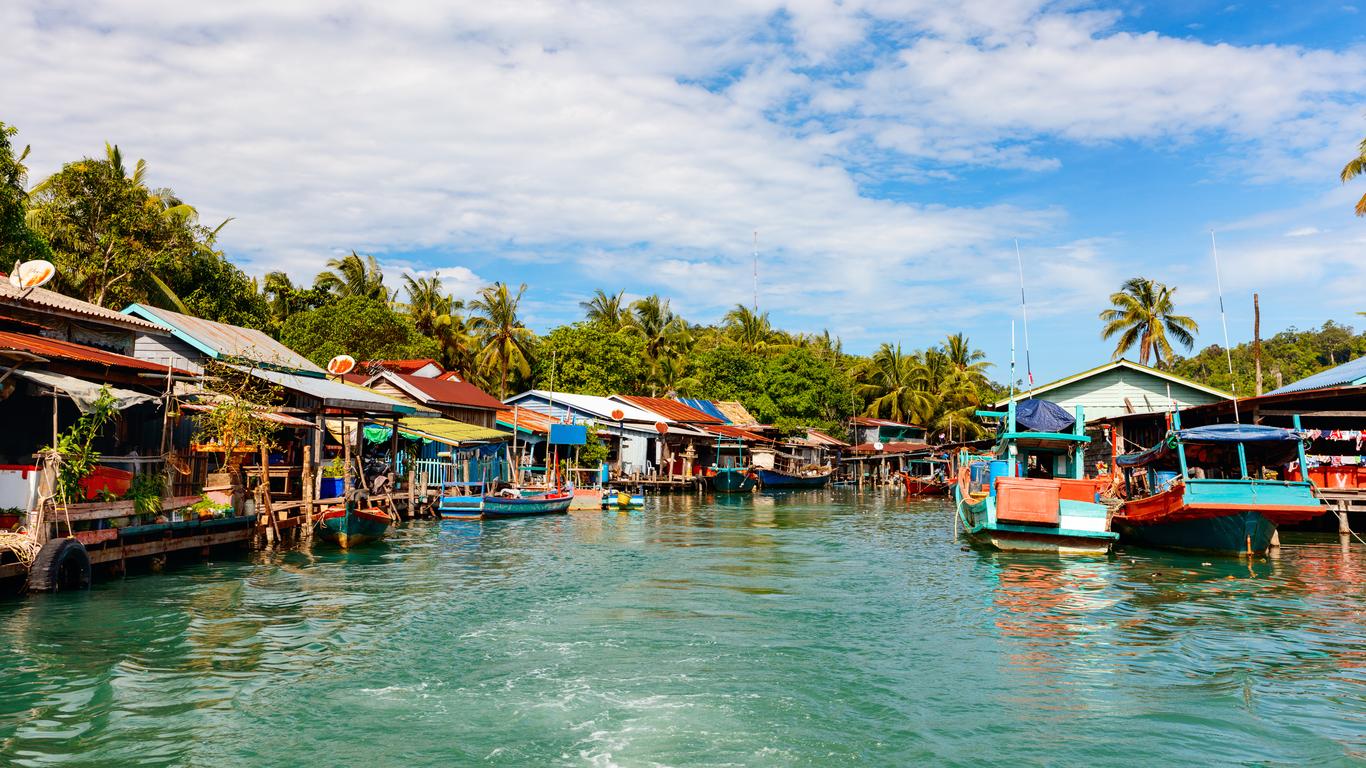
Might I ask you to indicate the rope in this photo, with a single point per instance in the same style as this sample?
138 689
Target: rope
23 545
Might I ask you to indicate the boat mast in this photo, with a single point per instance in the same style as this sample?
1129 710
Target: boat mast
1024 310
1011 450
1228 353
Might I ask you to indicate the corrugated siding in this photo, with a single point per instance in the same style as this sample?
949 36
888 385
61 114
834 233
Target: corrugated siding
167 350
1104 394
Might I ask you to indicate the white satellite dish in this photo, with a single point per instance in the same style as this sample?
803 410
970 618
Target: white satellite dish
877 446
32 274
341 364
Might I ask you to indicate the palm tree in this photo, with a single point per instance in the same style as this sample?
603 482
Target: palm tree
665 334
427 301
607 310
279 292
353 276
894 384
751 329
458 344
1143 315
1354 168
970 362
506 341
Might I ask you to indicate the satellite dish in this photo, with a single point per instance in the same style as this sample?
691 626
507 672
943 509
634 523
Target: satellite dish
341 364
618 414
32 274
661 428
877 446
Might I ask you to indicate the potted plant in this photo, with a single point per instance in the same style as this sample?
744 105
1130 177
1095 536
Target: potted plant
334 479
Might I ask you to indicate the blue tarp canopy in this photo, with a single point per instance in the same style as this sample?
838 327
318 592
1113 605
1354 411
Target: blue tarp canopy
1042 416
1210 433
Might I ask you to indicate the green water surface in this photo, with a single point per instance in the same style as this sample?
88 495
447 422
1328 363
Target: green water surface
813 629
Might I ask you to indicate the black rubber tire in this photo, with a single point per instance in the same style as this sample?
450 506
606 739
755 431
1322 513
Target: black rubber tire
62 564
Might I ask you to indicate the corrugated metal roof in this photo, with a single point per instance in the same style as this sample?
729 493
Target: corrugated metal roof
867 421
398 366
527 420
1350 373
726 430
334 394
65 350
449 431
222 340
442 391
671 410
275 417
817 437
888 448
705 406
599 408
41 299
1120 363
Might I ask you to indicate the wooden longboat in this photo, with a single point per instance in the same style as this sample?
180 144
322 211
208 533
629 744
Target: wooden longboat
775 480
1058 514
557 503
350 526
1228 516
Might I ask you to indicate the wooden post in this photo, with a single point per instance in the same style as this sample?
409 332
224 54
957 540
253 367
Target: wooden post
1257 345
412 497
265 493
307 495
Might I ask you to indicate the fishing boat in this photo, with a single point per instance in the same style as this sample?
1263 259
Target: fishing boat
1217 489
1030 495
351 525
925 477
733 476
550 503
622 499
460 501
794 478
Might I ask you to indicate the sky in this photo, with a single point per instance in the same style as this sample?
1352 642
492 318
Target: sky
889 154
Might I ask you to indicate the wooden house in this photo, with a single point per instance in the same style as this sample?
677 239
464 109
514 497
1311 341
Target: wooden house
1123 387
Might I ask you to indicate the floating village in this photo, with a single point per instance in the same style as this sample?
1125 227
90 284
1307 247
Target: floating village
141 436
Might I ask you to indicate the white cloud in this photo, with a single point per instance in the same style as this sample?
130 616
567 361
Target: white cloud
643 143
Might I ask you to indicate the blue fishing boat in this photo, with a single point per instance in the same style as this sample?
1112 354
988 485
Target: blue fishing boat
1031 495
460 501
775 480
351 525
734 476
554 503
1217 489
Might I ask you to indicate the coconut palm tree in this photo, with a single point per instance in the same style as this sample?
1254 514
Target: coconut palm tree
752 330
1143 315
352 275
959 354
1354 168
607 310
506 342
894 384
279 292
427 301
458 344
665 334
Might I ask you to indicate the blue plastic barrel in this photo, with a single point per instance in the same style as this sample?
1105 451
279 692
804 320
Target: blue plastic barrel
1165 479
999 468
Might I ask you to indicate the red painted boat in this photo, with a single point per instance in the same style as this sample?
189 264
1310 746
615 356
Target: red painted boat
925 486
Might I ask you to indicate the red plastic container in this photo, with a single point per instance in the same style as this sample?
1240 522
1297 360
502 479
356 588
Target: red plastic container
1027 500
116 481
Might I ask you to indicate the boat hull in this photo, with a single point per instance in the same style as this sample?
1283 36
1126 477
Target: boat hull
1229 517
1237 533
732 481
349 528
771 480
496 507
1078 527
922 486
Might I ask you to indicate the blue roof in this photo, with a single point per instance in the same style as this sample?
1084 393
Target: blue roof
1350 373
705 406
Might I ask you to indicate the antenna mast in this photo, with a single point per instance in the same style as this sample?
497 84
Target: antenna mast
1024 309
1228 353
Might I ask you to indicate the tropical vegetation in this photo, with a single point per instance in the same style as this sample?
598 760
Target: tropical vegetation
1143 315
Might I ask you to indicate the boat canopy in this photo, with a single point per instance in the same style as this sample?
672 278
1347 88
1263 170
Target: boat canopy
1210 433
1042 416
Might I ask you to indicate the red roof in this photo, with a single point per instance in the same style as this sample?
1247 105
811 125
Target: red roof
888 448
65 350
527 419
671 410
449 392
399 366
817 437
726 430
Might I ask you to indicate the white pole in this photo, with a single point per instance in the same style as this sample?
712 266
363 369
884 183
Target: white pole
1223 319
1024 310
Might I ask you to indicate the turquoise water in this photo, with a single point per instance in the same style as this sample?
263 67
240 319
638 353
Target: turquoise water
807 630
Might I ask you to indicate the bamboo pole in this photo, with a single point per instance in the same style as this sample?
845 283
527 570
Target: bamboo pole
265 493
308 489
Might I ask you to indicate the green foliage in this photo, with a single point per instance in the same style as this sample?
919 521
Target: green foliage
800 389
592 360
594 452
366 329
727 373
1294 354
17 241
506 341
146 491
1143 315
1354 168
231 422
336 468
78 458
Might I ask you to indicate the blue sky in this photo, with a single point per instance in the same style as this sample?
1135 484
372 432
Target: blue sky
888 152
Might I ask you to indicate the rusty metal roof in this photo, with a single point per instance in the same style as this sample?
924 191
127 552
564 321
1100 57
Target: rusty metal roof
66 350
527 420
441 391
816 437
888 448
726 430
671 410
868 421
51 302
220 340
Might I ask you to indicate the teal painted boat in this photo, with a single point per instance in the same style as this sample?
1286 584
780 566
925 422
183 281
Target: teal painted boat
732 480
1031 495
556 503
351 526
1205 489
461 501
